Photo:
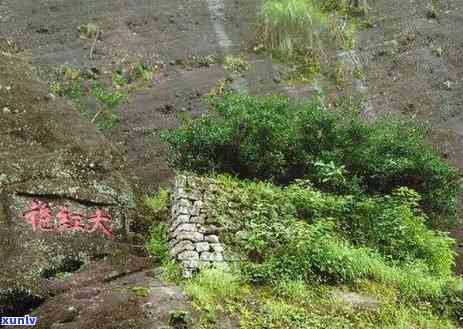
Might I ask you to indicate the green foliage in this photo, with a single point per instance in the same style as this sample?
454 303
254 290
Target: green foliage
300 233
118 79
172 272
299 32
108 101
68 83
158 202
88 31
141 72
294 243
140 291
295 290
292 26
359 73
393 224
235 63
271 138
211 287
79 86
341 6
179 319
277 314
70 73
318 310
157 244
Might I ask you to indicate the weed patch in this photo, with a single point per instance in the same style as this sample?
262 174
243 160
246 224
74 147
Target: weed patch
235 64
80 87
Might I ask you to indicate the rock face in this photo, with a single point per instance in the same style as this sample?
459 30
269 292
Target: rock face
104 295
194 230
62 199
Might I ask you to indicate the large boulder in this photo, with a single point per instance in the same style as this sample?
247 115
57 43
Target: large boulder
63 201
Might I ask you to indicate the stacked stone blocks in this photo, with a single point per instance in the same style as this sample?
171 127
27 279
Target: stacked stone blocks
193 229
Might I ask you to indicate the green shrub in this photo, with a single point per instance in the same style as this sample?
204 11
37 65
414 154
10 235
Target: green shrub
88 31
271 138
393 224
293 244
107 101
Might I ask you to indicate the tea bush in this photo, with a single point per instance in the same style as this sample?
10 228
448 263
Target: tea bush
269 138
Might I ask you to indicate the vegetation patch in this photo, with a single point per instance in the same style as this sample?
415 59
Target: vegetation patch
88 31
235 64
292 25
270 138
296 244
294 304
83 86
314 201
140 291
212 288
157 242
300 32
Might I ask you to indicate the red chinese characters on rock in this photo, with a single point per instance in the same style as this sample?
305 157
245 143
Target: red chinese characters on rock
39 215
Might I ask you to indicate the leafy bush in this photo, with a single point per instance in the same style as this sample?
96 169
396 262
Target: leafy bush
271 138
108 101
393 224
294 242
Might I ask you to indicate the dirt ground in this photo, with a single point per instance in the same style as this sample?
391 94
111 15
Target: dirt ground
175 33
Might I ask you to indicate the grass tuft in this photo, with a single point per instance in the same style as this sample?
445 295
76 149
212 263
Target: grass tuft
292 26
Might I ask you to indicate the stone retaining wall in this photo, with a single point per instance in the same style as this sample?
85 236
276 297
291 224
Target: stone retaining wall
193 229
